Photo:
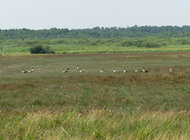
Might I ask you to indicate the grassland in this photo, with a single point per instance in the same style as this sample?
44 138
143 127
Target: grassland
75 49
85 46
49 104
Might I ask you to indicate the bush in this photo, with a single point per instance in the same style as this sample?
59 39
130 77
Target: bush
184 41
148 43
40 49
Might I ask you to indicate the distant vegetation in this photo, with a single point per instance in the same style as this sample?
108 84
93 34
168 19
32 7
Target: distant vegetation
97 32
95 45
96 40
40 49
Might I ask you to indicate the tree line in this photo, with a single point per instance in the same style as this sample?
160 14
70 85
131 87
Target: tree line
97 32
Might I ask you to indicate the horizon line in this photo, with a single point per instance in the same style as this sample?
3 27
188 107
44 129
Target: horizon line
117 27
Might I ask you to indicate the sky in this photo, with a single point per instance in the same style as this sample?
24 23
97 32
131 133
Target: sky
80 14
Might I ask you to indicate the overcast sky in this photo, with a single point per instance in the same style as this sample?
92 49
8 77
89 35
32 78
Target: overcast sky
40 14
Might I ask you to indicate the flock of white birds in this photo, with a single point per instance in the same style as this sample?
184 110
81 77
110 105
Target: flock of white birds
114 70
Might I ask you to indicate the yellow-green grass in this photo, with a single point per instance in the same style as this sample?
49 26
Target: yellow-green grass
20 47
97 124
59 49
50 104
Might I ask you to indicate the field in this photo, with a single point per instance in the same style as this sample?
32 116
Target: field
103 45
50 104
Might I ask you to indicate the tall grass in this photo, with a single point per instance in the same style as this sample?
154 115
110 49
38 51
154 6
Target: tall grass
97 124
50 104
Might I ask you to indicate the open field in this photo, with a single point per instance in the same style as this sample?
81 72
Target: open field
50 104
75 49
113 45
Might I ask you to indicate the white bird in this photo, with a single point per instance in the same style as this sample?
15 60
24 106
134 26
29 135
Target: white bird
78 67
24 71
145 71
115 70
81 71
102 70
32 70
65 70
135 70
170 69
125 71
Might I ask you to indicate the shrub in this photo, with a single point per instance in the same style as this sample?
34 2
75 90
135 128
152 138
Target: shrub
40 49
149 44
184 41
140 43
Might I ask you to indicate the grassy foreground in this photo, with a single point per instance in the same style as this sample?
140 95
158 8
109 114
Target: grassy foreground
97 124
49 104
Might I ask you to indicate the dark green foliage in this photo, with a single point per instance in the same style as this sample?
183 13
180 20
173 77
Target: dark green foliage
184 41
49 50
40 49
97 32
149 43
1 47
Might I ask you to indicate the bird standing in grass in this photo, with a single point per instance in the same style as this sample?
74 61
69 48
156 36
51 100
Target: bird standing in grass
65 70
136 70
170 69
145 71
102 70
115 70
125 71
78 67
81 71
24 71
32 70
